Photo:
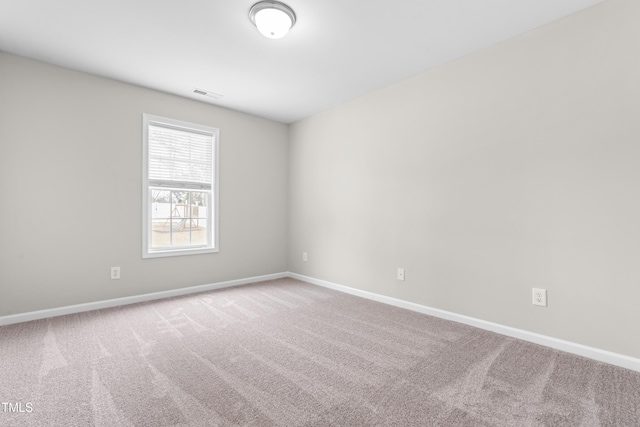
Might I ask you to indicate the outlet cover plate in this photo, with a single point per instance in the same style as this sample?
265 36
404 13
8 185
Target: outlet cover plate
540 297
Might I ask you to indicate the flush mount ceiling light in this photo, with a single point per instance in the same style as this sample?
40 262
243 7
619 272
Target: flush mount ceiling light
272 18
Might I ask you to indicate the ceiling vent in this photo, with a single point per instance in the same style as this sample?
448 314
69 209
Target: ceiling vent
207 93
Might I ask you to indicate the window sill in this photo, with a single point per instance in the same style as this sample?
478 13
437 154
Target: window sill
178 252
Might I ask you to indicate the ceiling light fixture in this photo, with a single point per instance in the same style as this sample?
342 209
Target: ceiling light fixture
272 18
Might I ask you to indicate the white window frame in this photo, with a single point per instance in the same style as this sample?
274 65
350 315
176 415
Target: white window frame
212 245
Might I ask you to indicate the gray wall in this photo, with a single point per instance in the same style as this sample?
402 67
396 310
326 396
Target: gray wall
71 142
514 168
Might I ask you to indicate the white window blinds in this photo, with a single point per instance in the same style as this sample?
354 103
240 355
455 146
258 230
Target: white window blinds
180 157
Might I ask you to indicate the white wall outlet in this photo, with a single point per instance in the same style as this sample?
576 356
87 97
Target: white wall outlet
400 273
115 273
304 256
540 297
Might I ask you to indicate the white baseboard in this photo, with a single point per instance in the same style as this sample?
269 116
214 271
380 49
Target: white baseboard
116 302
555 343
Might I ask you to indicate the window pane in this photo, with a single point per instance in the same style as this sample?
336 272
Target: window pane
180 200
180 232
199 202
160 233
199 235
160 204
160 217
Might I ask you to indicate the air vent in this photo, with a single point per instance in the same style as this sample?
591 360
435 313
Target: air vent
207 93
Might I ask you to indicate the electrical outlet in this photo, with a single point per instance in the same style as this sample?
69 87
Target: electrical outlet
304 256
400 273
115 273
540 297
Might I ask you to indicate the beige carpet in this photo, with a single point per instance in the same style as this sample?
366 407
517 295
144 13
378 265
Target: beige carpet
291 354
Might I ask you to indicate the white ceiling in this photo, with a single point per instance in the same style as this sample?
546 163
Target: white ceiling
338 50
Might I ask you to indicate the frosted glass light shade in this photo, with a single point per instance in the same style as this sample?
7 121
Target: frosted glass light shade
273 23
273 19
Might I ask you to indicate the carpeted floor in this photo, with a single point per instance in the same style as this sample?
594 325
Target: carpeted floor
292 354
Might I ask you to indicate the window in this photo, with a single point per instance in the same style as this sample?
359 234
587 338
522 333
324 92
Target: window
180 194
